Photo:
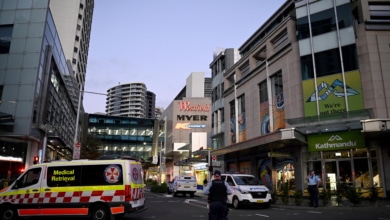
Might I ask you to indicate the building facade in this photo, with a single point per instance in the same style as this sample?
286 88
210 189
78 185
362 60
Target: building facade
310 92
224 59
125 136
37 88
130 100
186 123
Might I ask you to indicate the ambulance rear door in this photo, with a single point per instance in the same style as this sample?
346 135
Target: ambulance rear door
135 180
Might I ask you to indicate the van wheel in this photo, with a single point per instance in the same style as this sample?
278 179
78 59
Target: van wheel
236 203
100 212
8 213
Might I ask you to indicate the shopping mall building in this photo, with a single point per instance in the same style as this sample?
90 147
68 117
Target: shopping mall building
310 91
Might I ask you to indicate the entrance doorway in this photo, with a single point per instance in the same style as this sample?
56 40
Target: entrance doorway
337 172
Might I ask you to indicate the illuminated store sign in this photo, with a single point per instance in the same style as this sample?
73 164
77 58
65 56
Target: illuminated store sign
186 106
189 126
335 141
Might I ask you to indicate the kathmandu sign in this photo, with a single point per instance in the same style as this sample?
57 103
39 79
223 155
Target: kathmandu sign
335 141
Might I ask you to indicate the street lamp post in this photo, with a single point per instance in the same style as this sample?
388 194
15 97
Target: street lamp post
76 146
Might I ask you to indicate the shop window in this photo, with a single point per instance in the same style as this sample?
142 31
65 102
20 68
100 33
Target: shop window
362 174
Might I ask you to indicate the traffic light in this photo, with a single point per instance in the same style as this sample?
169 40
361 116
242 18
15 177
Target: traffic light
36 159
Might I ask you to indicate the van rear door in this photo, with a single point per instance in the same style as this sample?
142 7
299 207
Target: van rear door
135 180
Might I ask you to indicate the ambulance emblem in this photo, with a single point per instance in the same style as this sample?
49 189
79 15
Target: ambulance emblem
112 174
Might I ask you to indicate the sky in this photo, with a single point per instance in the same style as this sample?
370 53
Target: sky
161 42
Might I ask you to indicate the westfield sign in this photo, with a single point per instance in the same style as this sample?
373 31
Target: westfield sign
186 106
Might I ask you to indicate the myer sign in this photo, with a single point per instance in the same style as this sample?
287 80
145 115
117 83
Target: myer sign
336 141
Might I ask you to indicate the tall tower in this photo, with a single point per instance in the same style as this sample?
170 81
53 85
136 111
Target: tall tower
73 19
130 100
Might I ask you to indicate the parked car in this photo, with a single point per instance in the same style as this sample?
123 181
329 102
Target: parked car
247 191
183 185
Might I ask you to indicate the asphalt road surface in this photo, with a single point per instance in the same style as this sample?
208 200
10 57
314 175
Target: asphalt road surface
165 207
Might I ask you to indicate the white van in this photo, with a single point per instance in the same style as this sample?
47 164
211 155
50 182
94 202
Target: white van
183 185
100 189
247 191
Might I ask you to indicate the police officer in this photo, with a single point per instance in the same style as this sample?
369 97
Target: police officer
217 190
313 182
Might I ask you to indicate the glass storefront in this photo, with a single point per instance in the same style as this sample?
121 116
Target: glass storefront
353 167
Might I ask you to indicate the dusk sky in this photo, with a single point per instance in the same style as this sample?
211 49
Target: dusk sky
160 42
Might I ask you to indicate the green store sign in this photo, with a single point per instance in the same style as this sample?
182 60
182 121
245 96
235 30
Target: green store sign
335 141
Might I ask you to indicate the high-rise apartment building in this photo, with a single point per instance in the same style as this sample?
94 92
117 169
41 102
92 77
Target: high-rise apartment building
130 100
73 19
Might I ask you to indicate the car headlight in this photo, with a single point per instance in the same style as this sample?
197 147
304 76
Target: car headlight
243 191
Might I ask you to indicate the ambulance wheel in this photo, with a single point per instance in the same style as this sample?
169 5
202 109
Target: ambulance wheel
100 212
8 213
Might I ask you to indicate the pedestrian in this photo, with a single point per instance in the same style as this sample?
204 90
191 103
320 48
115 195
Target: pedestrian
217 191
313 181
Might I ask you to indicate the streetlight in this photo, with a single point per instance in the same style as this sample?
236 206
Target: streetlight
76 143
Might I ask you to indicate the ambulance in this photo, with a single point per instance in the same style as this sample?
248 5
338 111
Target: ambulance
100 189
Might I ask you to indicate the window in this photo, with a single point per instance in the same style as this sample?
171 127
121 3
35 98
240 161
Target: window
5 38
328 62
75 49
324 21
54 81
28 179
277 90
244 69
379 10
280 41
263 91
87 175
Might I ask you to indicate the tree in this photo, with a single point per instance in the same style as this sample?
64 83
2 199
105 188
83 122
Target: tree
89 148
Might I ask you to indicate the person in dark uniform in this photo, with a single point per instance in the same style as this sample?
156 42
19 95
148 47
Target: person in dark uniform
217 191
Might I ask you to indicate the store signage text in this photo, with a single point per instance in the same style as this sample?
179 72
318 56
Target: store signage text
188 126
336 141
191 117
186 106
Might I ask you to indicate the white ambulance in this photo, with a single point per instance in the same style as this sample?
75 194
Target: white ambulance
100 189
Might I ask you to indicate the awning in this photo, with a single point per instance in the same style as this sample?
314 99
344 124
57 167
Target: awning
277 139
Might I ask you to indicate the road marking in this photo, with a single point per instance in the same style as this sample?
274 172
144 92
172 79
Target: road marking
266 216
314 212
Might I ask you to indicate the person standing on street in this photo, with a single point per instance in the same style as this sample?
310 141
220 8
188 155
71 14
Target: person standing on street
217 191
313 181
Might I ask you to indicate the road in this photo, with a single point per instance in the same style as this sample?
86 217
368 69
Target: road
163 207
